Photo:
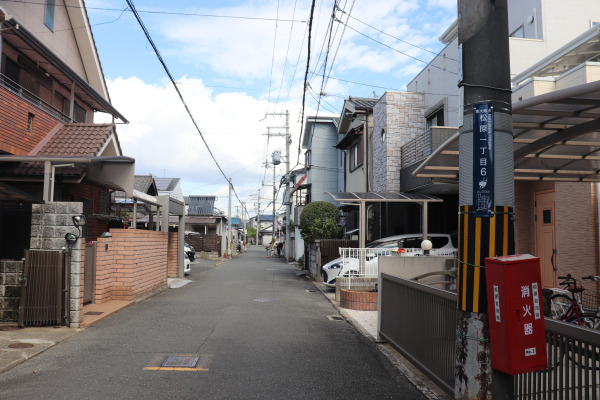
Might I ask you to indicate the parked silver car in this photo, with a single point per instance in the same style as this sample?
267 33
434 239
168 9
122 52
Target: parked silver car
407 244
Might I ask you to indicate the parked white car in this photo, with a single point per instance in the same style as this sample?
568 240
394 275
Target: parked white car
408 245
186 264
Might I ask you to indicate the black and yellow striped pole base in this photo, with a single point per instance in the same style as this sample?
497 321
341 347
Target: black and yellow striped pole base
480 237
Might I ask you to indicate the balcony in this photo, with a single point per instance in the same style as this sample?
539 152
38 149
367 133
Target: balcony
416 151
31 98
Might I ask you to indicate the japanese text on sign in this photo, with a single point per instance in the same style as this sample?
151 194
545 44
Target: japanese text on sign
483 159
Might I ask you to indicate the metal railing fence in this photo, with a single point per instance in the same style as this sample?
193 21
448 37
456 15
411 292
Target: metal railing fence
420 322
32 98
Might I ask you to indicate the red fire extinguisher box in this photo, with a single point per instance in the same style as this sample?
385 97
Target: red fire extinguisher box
516 313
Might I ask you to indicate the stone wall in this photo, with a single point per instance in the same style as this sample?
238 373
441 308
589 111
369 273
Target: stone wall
10 290
49 224
398 117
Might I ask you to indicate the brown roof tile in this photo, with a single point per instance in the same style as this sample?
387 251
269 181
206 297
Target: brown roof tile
82 140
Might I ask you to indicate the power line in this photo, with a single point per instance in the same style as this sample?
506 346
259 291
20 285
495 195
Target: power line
396 50
286 56
188 14
133 10
312 10
273 58
393 37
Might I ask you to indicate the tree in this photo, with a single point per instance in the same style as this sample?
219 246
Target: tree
319 220
250 231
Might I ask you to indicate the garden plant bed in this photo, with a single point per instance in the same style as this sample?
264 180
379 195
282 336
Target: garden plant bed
362 300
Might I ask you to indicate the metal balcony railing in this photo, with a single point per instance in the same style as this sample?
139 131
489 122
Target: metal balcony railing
31 98
424 144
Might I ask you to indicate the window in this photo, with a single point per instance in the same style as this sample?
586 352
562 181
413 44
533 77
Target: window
78 114
356 155
307 159
49 14
436 119
30 122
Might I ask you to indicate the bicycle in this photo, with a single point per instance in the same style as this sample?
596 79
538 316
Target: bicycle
568 306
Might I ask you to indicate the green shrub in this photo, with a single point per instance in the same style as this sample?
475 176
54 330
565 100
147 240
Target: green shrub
319 220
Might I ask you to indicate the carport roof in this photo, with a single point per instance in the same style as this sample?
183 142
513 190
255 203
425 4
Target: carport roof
382 197
556 138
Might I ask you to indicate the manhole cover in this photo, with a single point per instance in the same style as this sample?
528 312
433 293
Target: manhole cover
9 328
181 361
265 300
94 313
335 318
20 345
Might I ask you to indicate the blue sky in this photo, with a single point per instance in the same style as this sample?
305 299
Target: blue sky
235 61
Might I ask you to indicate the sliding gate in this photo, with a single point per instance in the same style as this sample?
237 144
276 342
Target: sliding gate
45 288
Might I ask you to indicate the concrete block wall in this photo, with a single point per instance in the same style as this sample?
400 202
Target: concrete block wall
130 264
49 224
10 290
400 115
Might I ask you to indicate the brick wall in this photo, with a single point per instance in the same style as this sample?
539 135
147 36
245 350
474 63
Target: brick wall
172 255
14 112
401 116
130 264
10 290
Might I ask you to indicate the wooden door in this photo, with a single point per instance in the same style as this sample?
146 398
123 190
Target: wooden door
545 237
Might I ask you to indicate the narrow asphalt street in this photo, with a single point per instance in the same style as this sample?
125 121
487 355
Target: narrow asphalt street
258 330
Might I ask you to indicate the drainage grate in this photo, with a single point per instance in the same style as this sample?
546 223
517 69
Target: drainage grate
335 318
20 345
181 361
94 313
263 300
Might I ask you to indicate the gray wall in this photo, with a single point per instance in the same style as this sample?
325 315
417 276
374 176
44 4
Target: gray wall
325 168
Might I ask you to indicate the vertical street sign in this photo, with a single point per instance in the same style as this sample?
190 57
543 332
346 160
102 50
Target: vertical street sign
483 159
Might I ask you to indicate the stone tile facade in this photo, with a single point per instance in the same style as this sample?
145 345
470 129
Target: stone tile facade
398 117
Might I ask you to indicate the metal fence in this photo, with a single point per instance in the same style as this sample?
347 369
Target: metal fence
45 290
420 322
362 262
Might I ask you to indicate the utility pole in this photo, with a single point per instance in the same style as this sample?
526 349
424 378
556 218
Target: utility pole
486 187
229 221
274 200
257 215
286 200
244 222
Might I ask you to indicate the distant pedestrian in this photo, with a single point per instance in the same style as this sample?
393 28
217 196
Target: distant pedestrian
279 248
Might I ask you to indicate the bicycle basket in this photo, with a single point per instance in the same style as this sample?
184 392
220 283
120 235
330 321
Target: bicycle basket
590 301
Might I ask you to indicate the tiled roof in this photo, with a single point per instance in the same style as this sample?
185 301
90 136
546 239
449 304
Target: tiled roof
83 140
362 103
143 183
166 184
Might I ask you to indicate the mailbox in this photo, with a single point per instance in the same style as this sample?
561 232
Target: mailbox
516 315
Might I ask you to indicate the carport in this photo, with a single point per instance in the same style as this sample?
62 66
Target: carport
361 198
556 138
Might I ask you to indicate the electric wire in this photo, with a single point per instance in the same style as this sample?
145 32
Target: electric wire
187 14
312 10
341 38
134 11
394 37
287 52
273 58
394 49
